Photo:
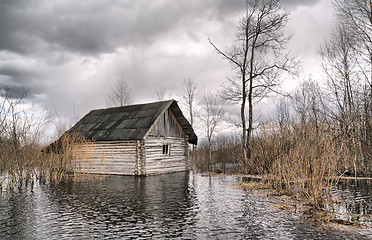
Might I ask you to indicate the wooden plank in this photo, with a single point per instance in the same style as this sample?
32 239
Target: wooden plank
106 158
143 156
157 162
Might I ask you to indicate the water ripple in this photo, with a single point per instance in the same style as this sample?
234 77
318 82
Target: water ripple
173 206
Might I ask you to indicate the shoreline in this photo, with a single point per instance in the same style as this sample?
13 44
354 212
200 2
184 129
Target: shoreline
304 209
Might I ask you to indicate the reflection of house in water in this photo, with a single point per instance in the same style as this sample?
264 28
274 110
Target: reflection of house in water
130 207
139 139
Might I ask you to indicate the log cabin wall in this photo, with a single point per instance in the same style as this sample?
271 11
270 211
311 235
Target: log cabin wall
158 161
166 135
140 157
118 157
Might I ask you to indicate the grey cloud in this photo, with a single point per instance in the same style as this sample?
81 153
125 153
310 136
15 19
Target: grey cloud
295 3
17 71
99 26
226 7
33 86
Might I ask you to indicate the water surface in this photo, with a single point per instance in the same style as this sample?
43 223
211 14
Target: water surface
353 200
176 206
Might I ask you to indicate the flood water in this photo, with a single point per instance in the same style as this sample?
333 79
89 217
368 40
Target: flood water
353 199
182 205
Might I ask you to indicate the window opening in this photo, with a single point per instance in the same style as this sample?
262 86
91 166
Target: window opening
166 149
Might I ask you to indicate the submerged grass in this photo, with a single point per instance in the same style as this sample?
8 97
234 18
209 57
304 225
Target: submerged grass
321 216
302 206
67 159
296 160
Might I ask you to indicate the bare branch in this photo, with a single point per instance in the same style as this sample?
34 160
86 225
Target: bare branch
258 56
120 93
160 92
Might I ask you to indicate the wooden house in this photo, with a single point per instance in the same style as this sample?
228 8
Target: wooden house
141 139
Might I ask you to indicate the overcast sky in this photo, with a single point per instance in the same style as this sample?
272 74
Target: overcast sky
69 52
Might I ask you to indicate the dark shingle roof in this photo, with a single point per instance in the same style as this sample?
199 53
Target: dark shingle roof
128 122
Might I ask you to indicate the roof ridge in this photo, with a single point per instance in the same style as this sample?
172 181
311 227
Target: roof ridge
132 105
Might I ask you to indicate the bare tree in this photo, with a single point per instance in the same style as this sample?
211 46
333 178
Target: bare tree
356 15
187 96
160 93
20 125
12 125
120 93
340 65
259 59
308 103
211 114
61 122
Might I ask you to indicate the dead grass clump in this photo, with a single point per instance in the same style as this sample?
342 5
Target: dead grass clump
307 164
19 163
70 156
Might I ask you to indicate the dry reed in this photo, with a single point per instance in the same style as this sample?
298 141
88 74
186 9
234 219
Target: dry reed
68 158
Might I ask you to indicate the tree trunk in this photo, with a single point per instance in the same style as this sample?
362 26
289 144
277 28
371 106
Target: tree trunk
250 123
250 103
245 143
209 155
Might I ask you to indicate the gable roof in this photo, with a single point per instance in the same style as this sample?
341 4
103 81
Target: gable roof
128 122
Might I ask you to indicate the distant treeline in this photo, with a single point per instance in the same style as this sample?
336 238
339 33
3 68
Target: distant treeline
309 143
305 130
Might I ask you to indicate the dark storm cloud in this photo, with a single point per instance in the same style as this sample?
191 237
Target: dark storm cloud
98 26
47 30
101 26
18 71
